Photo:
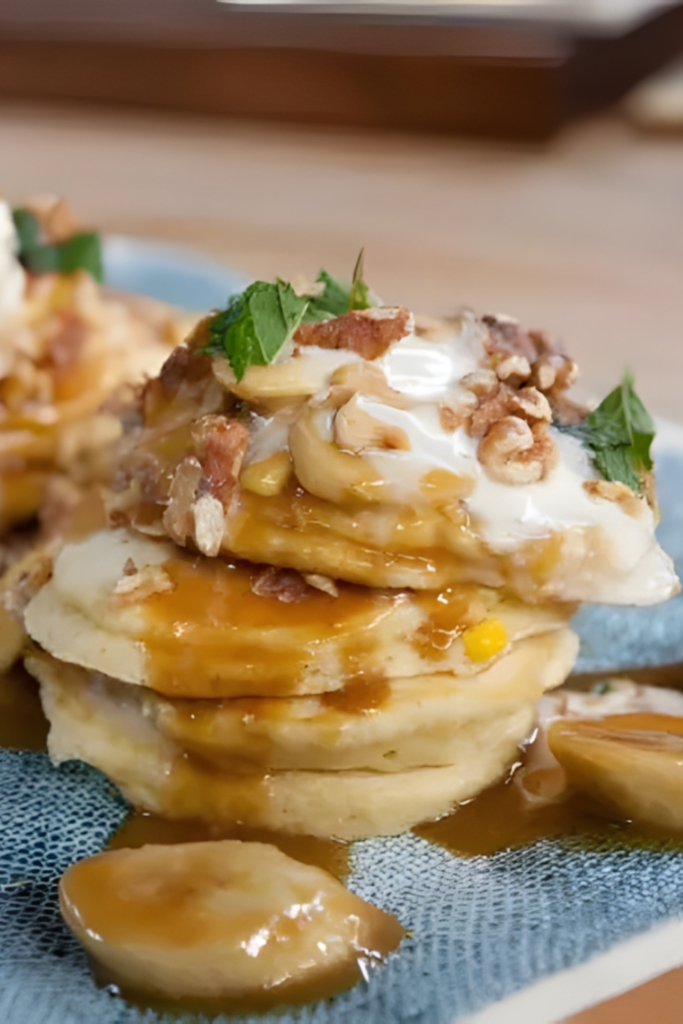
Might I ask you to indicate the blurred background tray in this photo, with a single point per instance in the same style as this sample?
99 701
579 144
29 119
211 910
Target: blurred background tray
515 70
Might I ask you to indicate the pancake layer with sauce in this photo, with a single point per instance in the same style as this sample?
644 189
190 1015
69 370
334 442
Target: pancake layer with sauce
302 764
144 612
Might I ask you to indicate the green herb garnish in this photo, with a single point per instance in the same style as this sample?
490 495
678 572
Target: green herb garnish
81 251
619 434
339 297
258 323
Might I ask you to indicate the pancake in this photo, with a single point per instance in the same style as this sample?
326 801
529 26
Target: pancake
153 772
390 726
144 612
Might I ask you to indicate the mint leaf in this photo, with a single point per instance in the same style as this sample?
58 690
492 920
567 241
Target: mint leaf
339 297
619 433
80 252
256 325
27 227
360 293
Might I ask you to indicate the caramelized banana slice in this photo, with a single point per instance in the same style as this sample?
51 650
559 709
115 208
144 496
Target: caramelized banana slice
632 763
221 920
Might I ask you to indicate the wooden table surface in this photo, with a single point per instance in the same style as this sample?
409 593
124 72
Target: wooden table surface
583 236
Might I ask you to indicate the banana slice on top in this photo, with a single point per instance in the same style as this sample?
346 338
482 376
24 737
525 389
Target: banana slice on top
633 763
222 920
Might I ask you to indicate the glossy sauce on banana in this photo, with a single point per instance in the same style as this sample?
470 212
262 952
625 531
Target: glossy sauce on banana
242 919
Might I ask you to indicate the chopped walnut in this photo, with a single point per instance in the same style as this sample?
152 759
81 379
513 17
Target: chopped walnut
513 369
368 332
209 522
221 442
139 585
513 452
451 417
177 518
527 403
507 337
323 583
531 405
614 490
481 383
286 585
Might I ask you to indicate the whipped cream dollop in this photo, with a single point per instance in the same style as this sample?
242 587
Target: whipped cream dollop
12 276
613 542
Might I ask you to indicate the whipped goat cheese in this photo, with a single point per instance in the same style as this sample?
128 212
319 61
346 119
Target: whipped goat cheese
411 440
12 276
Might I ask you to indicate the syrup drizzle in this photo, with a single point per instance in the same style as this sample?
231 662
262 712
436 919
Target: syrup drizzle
23 725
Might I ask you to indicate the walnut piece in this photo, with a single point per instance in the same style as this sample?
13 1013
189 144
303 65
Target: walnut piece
614 490
513 369
208 524
324 583
368 332
151 579
514 452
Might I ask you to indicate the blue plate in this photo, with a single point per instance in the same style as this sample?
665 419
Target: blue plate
169 273
479 929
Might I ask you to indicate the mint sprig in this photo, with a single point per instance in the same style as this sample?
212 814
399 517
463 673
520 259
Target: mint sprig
81 251
339 297
256 324
619 434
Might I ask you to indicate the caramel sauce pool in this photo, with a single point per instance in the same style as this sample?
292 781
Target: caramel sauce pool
23 725
502 817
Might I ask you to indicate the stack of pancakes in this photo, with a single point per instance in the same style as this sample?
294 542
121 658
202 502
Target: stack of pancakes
318 693
213 690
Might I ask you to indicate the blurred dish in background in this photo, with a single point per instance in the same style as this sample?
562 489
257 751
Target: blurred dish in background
657 104
515 70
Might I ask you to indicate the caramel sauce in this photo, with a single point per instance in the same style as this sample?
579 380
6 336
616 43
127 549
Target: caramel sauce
196 1010
449 612
502 817
23 725
204 636
144 829
358 697
22 493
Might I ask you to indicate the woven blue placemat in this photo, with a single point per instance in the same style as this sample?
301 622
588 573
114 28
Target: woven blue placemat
480 928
